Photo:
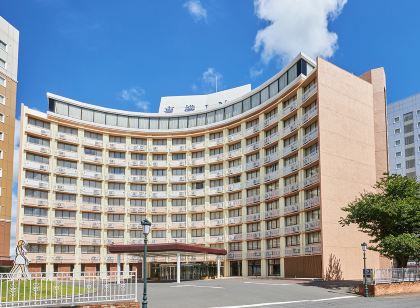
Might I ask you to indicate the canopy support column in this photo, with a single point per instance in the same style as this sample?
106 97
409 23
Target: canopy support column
218 268
118 268
178 268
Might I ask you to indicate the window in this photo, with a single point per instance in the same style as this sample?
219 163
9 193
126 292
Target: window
410 164
94 152
94 136
91 249
2 81
119 155
398 154
66 249
64 231
91 233
158 234
398 166
313 238
37 230
137 218
2 117
397 131
116 139
397 142
67 130
37 248
65 214
2 63
115 234
38 141
34 211
396 119
178 233
1 136
3 45
197 232
139 141
91 216
66 147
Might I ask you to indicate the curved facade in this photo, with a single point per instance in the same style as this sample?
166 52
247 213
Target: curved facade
246 177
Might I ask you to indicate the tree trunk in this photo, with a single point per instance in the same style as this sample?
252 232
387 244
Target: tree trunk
401 261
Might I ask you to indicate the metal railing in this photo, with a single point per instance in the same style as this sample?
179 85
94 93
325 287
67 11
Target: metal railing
392 275
66 289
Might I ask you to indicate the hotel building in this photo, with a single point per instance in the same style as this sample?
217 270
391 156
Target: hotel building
9 43
263 173
404 136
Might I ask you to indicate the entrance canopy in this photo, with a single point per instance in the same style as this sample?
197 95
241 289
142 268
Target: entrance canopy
167 249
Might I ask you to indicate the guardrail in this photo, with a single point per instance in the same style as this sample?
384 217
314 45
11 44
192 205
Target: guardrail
60 289
393 275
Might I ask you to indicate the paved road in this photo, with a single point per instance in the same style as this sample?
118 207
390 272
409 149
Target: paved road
249 293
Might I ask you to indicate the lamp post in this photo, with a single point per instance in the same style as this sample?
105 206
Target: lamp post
364 248
146 229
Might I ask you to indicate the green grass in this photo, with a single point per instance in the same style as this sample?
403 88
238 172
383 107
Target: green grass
25 289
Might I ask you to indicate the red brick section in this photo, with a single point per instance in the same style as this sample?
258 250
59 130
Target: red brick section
170 247
119 305
391 288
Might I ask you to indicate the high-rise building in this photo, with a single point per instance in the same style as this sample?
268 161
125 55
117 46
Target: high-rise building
404 136
263 173
9 44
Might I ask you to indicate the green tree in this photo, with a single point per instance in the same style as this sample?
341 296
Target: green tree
390 215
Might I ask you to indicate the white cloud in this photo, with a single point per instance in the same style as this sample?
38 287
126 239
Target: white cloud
255 71
211 78
135 95
196 10
295 26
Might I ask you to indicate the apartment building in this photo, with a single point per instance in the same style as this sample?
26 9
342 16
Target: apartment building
263 175
404 136
9 43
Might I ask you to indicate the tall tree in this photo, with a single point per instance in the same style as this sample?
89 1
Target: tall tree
390 215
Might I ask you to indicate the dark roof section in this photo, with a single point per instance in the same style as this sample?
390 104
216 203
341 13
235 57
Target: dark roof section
169 247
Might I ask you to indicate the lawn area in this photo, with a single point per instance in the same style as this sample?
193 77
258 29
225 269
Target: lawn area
37 289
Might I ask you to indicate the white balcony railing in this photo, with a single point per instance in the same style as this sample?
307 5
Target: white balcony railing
271 194
68 137
36 166
313 249
234 186
66 171
38 130
235 220
308 137
253 199
292 251
314 178
312 225
273 232
311 202
36 183
308 159
67 154
234 203
292 229
252 217
272 213
291 208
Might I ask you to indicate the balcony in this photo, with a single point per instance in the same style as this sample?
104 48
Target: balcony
234 170
159 210
159 163
137 178
137 194
313 249
64 205
290 108
91 175
196 192
134 241
178 163
215 174
271 139
67 154
235 220
90 207
35 201
137 209
252 130
215 142
290 168
65 240
198 145
234 255
36 184
198 240
215 190
308 137
92 158
290 127
178 148
253 254
291 208
115 193
252 182
36 238
137 147
272 194
292 229
90 258
91 191
178 225
273 232
198 161
160 225
235 237
111 259
272 253
290 148
252 147
252 217
253 235
60 222
308 159
216 158
68 137
312 202
115 241
215 206
115 225
292 251
274 213
159 148
314 178
271 120
198 208
65 188
90 241
309 92
196 177
178 193
34 220
178 209
312 225
234 153
90 224
63 258
37 258
160 240
38 148
66 171
117 146
274 175
178 178
38 130
252 165
234 186
36 166
198 224
159 179
117 162
115 209
253 199
292 187
234 203
137 163
93 142
271 157
115 177
234 137
216 239
308 115
216 222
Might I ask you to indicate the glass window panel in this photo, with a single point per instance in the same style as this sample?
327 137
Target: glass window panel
292 73
228 112
122 121
283 82
61 108
133 122
144 123
74 112
210 117
274 88
87 115
183 122
264 95
220 115
192 121
154 123
246 104
255 100
237 108
163 123
201 119
111 119
173 123
99 117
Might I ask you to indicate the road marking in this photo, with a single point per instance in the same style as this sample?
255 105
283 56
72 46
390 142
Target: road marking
289 302
270 284
194 286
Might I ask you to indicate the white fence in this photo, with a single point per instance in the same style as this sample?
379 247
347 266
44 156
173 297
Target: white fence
63 289
392 275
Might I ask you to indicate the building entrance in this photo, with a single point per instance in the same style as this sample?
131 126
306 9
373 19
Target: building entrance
235 268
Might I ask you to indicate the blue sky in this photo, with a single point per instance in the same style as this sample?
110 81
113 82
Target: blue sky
127 54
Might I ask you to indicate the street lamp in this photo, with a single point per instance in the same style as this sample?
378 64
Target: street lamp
364 248
146 229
